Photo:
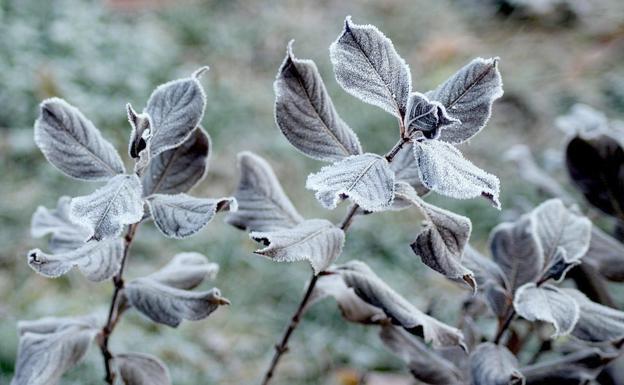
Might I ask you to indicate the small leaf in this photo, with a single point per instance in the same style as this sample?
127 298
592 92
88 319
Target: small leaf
141 132
142 369
262 203
366 179
468 96
98 261
444 169
49 347
406 169
175 109
595 167
425 116
66 235
305 114
547 303
584 121
181 215
71 143
186 271
179 169
368 67
492 364
425 365
105 211
596 323
316 240
370 288
605 254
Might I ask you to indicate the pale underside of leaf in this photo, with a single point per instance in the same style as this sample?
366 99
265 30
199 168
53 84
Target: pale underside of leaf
492 364
141 369
65 234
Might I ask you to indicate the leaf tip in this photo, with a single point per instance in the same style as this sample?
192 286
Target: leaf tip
199 72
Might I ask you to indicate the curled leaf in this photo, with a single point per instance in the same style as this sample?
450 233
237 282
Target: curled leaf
425 116
141 369
492 364
66 235
141 132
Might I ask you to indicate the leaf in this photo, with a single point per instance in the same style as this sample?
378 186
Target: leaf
186 271
443 169
605 254
584 121
468 96
424 364
175 109
262 203
549 304
517 251
141 132
66 235
181 215
98 261
305 114
317 241
368 67
490 279
595 167
370 288
366 179
596 323
142 369
406 169
425 116
71 143
106 210
179 169
49 347
492 364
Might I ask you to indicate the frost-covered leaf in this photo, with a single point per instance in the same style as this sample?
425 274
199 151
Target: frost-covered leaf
106 210
445 170
317 241
262 203
366 179
49 347
491 280
368 67
596 167
517 251
66 235
428 117
425 365
406 169
305 114
549 304
181 215
141 369
606 255
141 132
175 109
468 96
369 287
179 169
596 323
186 271
73 144
492 364
96 260
584 121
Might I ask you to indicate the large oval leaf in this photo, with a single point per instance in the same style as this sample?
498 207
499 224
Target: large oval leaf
73 144
492 364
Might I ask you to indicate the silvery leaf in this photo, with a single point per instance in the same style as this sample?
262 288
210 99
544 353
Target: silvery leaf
262 203
66 235
425 365
179 169
141 132
73 144
576 368
106 210
584 121
549 304
366 179
406 169
468 96
445 170
50 347
517 251
181 215
490 279
425 116
369 287
169 305
368 67
141 369
317 241
175 109
186 271
596 323
98 261
606 255
305 114
492 364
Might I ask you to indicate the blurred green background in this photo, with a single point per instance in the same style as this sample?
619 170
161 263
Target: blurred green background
99 55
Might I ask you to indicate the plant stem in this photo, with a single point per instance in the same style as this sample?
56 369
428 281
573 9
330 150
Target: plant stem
113 312
282 346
